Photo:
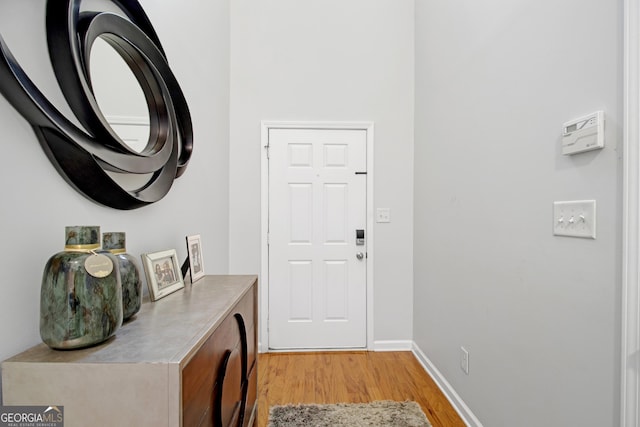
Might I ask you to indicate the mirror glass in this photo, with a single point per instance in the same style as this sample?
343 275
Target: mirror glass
119 95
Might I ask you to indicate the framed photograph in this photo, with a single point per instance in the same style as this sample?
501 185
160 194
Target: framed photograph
194 249
163 273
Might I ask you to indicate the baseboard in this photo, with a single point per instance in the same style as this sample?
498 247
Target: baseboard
377 346
392 345
458 404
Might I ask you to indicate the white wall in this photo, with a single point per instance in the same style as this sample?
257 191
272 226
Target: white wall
37 203
538 314
329 60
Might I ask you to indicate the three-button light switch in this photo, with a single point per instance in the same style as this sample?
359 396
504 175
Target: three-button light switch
575 219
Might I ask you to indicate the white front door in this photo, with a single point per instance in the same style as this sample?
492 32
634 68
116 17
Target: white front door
317 272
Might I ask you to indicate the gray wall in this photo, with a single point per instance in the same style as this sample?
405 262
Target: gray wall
328 60
538 314
37 203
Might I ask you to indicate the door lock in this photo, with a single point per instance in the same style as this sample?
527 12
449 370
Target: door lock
359 237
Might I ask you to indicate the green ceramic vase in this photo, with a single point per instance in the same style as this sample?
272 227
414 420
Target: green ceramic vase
81 293
115 243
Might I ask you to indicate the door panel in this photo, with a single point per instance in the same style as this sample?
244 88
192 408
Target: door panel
300 285
317 285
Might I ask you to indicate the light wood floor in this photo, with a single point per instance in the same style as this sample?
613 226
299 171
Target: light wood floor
350 377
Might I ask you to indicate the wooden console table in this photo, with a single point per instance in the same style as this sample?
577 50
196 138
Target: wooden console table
188 359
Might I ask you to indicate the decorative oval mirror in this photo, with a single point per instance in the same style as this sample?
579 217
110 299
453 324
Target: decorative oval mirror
94 158
119 95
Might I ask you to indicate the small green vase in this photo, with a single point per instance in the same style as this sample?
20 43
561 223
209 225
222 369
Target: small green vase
81 293
115 243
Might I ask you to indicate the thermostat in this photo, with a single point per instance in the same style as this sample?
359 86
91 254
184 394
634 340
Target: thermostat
583 134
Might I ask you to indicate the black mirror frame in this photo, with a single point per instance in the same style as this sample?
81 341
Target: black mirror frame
83 156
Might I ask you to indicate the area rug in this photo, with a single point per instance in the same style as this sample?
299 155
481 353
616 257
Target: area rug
382 413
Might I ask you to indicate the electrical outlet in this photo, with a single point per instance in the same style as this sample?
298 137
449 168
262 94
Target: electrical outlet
464 360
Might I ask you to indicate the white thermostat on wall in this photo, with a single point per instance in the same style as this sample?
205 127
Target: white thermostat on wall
583 134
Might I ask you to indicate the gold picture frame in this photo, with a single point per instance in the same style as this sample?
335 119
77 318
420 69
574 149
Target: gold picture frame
196 263
163 273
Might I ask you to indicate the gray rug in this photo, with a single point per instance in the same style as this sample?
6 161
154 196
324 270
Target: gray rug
383 413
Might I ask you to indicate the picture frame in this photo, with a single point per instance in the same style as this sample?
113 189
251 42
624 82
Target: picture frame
163 273
196 262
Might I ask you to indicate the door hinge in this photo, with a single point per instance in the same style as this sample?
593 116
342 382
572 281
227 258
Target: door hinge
266 147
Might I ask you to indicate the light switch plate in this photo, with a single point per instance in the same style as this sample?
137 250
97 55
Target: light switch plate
383 215
575 219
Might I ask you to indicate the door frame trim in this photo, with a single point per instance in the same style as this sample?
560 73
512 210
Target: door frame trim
265 126
630 334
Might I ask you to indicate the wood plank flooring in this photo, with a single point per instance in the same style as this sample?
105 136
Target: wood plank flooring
351 377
